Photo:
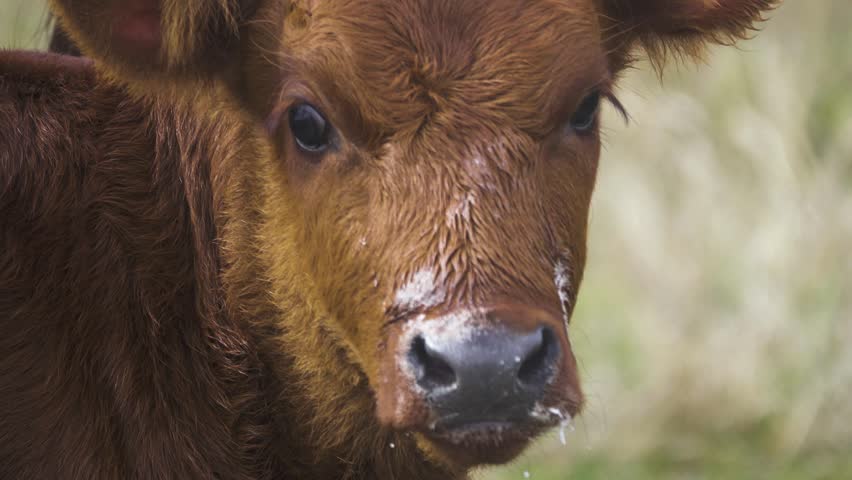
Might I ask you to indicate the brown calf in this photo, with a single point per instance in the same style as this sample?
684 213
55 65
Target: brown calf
314 239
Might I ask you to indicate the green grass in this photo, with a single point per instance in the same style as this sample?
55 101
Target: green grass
714 327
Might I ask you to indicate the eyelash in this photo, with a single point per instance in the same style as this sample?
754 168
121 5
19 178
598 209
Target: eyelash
616 103
605 95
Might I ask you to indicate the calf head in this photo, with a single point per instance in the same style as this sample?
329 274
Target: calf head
428 181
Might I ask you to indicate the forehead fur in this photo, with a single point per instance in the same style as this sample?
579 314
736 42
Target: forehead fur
397 67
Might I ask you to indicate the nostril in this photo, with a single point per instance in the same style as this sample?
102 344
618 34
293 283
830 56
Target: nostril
539 364
431 371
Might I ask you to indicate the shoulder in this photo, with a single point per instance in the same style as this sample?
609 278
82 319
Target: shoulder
64 133
53 110
43 96
45 103
29 71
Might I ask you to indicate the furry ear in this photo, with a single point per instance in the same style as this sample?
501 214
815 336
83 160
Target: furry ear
140 37
680 27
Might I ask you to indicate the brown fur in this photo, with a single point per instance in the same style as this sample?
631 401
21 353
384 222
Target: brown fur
185 294
61 43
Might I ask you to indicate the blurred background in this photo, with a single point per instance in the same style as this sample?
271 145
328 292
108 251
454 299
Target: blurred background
714 326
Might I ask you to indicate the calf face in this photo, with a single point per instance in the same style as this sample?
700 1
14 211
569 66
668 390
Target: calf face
428 184
442 159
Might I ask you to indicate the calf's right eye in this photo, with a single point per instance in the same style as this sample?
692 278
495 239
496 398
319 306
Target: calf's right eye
310 129
584 118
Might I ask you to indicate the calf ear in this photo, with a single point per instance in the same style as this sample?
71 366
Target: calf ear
133 38
680 27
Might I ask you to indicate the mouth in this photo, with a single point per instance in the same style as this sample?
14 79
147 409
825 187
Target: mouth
496 442
485 443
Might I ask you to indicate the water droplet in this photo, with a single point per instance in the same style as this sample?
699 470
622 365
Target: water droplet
392 445
517 359
526 474
565 422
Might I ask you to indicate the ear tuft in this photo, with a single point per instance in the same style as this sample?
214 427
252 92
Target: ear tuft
677 28
197 30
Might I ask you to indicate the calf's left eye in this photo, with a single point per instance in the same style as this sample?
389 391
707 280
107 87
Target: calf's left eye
584 117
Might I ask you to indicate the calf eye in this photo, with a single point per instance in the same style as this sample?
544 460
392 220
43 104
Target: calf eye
584 117
310 129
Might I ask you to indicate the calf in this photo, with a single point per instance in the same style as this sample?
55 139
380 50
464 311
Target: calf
308 239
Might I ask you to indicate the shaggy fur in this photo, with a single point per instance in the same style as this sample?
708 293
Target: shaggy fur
186 294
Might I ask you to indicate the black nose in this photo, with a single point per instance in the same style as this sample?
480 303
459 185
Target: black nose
492 376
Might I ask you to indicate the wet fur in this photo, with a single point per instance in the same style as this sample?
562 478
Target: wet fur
155 321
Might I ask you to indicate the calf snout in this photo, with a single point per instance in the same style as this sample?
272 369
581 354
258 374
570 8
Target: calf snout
493 373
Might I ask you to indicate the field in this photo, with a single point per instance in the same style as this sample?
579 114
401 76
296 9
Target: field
714 327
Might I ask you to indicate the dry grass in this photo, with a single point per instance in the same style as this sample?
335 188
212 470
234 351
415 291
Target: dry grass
714 328
22 24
